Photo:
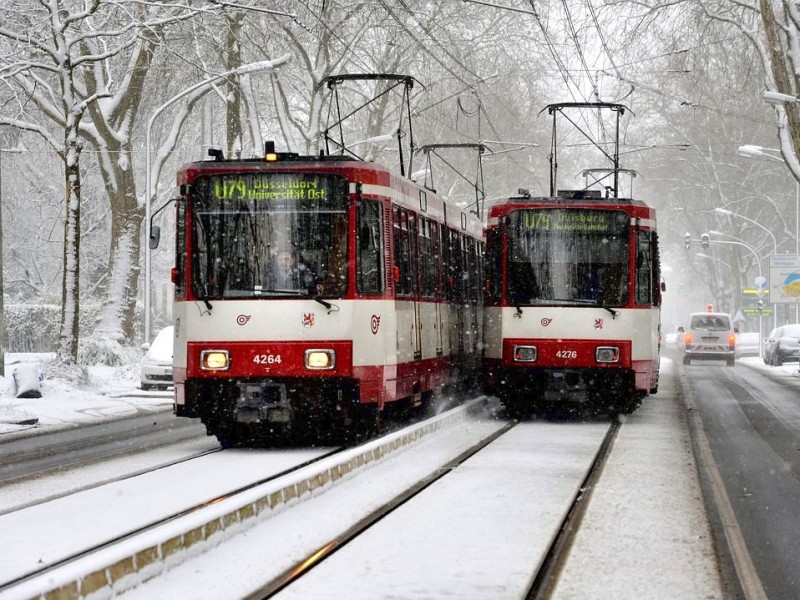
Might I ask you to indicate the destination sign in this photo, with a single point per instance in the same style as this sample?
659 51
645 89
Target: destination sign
573 220
268 187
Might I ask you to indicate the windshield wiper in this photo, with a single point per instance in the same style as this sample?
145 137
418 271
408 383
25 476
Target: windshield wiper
317 298
581 302
309 293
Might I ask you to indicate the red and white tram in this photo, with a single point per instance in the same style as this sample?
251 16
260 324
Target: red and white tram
572 305
313 292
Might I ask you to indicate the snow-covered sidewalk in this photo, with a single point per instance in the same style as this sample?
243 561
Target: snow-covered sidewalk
107 393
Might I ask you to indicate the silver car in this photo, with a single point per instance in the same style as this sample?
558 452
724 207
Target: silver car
710 336
782 345
156 369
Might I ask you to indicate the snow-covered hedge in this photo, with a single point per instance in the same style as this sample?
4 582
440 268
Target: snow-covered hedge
34 327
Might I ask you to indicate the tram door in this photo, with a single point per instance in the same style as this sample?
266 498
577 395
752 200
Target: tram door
407 282
436 275
413 227
429 308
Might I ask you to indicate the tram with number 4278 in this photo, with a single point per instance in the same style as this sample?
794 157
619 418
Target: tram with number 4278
312 293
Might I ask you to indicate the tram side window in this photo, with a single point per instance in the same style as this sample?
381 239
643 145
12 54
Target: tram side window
402 252
656 271
477 274
492 266
460 259
369 267
180 248
644 268
427 249
471 278
454 268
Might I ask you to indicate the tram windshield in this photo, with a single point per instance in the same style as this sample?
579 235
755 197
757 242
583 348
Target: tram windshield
567 256
277 235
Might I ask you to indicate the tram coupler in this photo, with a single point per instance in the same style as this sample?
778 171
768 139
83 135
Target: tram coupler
263 403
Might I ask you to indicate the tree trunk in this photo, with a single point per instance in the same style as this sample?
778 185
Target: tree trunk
782 68
117 321
69 332
233 60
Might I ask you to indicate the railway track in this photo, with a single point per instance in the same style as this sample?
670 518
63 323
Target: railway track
305 565
37 578
82 567
199 530
544 567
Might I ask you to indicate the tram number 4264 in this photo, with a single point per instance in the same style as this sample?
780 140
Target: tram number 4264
567 354
267 359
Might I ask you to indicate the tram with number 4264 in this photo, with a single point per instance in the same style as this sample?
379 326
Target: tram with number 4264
312 293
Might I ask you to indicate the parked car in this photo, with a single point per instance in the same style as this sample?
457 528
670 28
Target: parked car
782 345
748 344
710 336
156 369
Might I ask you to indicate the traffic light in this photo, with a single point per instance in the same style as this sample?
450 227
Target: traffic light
704 241
688 240
759 306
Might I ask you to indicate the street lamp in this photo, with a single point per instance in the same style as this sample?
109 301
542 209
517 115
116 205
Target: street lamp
725 211
2 285
149 183
777 99
739 242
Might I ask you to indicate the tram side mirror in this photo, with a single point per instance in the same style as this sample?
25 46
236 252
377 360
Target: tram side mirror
663 286
155 237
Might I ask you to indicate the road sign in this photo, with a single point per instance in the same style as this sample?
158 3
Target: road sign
784 278
761 286
754 305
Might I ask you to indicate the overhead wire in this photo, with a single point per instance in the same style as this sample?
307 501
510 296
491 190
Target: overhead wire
348 49
456 60
574 34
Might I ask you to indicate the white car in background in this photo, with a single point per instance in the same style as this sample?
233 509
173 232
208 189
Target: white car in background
156 369
748 344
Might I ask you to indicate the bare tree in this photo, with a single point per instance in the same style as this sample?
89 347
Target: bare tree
79 68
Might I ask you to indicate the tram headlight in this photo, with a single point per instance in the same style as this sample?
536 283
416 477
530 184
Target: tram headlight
320 359
524 353
214 360
607 354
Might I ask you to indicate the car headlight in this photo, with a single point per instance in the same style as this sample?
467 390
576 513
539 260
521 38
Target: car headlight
524 353
320 359
214 360
607 354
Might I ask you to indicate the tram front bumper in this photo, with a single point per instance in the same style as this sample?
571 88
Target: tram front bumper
557 385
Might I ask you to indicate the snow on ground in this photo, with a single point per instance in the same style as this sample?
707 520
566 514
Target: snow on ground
105 393
629 511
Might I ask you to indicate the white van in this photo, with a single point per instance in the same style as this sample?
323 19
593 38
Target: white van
710 336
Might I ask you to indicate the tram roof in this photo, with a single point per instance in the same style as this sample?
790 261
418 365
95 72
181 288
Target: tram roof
566 198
